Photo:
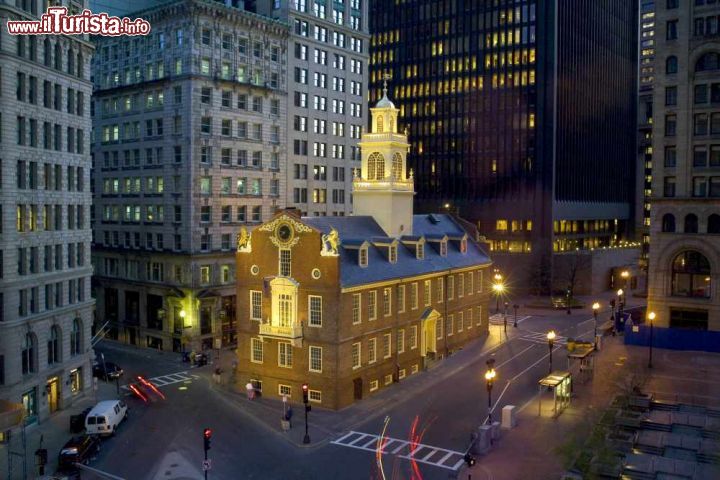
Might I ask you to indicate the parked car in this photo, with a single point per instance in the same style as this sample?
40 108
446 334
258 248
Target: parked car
77 422
79 449
105 417
107 370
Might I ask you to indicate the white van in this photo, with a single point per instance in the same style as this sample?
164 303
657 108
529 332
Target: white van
105 417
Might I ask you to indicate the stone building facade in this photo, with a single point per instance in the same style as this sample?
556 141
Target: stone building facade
45 201
190 145
685 224
353 304
328 52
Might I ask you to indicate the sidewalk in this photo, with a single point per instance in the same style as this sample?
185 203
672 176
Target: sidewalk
533 444
55 431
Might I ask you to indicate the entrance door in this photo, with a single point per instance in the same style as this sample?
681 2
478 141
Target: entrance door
53 393
358 388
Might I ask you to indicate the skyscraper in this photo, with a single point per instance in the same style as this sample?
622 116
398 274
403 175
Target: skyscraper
45 270
327 86
521 117
685 247
190 145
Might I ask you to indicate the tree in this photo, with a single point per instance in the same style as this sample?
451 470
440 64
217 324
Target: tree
539 278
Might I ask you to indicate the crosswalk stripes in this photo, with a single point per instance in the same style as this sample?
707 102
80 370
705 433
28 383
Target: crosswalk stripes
427 454
169 379
537 337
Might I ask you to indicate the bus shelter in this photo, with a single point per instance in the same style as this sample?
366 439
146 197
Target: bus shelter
584 355
560 383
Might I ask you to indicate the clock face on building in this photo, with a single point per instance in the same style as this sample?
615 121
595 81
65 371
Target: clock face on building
284 233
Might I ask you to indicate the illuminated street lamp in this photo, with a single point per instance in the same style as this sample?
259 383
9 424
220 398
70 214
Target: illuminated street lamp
651 318
625 276
498 288
551 341
595 308
489 379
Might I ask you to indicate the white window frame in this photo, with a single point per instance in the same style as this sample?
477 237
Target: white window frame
450 325
284 390
281 261
401 299
471 287
401 341
414 369
427 292
478 316
363 257
440 290
469 318
288 356
312 349
372 350
387 301
414 296
461 320
310 310
387 345
356 312
387 379
413 337
252 304
315 396
480 281
253 343
358 364
401 374
461 285
392 253
451 287
440 329
372 305
374 385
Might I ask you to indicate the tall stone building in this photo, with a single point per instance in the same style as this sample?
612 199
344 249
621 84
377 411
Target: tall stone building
45 201
327 88
190 144
351 305
685 222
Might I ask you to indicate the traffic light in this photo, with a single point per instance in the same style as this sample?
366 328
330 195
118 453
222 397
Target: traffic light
469 460
305 393
207 435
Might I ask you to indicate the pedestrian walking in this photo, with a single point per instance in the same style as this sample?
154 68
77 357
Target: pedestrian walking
288 416
505 323
250 390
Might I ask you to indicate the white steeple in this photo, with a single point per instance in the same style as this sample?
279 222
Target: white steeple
384 189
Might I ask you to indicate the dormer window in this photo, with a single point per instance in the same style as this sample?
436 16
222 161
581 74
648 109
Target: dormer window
463 245
392 253
443 248
420 251
363 257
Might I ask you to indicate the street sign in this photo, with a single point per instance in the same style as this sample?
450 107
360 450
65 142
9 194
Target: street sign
206 465
284 398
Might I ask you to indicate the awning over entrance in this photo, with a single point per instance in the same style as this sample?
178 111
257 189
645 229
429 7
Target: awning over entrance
176 292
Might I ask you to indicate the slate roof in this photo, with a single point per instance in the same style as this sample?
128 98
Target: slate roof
355 229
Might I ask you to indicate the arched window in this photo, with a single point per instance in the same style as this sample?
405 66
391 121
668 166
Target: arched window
29 350
53 346
709 61
376 166
379 123
397 163
391 127
76 337
58 56
691 275
47 52
691 223
713 225
668 222
671 64
80 65
71 62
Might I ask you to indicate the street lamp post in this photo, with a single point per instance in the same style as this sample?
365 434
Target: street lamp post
651 318
489 379
498 287
621 302
306 401
551 341
625 276
595 308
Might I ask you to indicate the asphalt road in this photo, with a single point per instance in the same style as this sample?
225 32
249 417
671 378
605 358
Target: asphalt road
163 439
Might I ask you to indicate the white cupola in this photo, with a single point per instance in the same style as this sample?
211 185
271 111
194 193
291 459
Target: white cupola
384 189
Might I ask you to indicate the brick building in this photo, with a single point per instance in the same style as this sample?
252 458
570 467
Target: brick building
350 305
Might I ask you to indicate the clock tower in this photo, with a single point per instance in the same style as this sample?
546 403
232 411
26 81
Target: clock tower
384 189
